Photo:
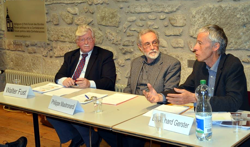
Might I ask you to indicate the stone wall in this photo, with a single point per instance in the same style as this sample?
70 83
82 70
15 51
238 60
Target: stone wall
116 24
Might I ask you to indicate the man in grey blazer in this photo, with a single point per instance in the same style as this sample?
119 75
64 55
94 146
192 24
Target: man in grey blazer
154 67
160 70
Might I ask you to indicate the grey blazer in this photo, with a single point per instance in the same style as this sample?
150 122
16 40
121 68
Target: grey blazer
166 77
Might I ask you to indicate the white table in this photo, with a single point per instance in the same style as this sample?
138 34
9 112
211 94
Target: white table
111 115
222 136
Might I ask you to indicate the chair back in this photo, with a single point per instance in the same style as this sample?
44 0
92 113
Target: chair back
248 93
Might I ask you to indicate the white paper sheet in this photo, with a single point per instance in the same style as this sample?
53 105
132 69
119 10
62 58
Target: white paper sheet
168 108
216 116
221 116
62 91
118 98
83 99
47 88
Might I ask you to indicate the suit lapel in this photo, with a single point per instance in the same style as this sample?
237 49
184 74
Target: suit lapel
92 60
135 78
219 71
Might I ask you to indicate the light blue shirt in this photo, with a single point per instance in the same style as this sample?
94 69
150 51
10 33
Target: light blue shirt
212 76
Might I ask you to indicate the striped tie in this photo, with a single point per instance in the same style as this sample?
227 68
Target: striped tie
80 67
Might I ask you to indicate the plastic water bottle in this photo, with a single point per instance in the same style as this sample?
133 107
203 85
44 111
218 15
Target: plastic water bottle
203 112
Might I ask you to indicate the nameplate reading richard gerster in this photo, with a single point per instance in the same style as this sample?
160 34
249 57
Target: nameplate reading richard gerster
174 122
65 105
20 91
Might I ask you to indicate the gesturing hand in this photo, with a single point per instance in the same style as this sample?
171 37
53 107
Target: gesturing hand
152 95
183 97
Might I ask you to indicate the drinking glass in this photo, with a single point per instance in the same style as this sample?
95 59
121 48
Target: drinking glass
158 119
97 104
237 118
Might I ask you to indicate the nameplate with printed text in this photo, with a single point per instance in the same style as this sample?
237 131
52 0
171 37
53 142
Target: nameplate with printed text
174 122
65 105
20 91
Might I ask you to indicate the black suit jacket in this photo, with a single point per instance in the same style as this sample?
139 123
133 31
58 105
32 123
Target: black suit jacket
101 67
230 91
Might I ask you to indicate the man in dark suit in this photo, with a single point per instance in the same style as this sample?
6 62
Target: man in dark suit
87 67
99 69
224 73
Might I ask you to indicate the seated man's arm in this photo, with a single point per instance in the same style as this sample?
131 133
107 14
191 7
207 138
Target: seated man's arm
172 77
107 75
184 91
63 76
128 89
171 80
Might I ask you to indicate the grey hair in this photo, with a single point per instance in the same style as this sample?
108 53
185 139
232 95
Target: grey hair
145 31
216 35
83 29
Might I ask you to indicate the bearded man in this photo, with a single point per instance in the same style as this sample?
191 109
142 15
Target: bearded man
160 70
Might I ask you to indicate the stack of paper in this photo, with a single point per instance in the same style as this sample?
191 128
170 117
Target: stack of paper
86 97
168 108
47 88
216 116
118 98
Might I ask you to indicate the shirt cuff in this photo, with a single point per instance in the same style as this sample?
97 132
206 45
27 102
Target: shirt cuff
92 84
164 98
60 81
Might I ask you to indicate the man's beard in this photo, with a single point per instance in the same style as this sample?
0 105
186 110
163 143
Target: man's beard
148 55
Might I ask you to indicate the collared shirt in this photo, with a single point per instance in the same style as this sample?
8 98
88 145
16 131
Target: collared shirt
92 83
212 75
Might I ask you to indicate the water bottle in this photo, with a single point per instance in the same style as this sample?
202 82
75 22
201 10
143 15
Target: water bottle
203 112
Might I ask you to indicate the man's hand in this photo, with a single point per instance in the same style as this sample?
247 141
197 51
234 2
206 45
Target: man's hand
152 95
83 82
183 97
68 82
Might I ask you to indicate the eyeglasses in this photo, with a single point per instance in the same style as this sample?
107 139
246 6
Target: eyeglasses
147 45
89 39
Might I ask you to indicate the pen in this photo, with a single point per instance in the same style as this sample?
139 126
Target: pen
86 96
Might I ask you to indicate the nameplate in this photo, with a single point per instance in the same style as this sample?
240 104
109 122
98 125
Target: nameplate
20 91
174 122
65 105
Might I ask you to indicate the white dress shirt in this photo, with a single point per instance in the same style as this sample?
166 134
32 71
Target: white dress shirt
92 83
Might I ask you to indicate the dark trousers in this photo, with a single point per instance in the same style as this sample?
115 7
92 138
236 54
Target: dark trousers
67 131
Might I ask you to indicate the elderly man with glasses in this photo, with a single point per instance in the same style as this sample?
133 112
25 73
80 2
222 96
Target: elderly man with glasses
88 66
154 67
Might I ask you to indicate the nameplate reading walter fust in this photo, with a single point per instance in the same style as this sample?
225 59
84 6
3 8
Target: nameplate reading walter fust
174 122
20 91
